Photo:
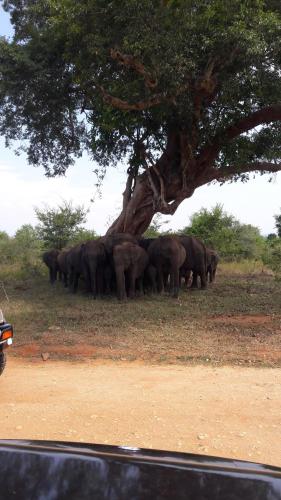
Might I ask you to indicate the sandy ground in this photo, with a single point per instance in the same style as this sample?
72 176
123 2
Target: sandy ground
227 411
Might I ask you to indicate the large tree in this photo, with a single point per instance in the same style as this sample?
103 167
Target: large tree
186 92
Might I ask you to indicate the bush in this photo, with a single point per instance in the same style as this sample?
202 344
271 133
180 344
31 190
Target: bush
20 256
224 233
60 226
272 256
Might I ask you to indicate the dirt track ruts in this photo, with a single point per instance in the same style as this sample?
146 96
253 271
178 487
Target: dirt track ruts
225 411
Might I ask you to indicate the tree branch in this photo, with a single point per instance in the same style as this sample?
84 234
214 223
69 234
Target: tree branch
131 62
223 174
152 184
155 100
128 190
265 115
204 91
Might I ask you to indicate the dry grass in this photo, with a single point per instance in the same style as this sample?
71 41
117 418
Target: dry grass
236 321
243 267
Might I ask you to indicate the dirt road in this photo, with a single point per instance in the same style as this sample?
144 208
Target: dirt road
230 412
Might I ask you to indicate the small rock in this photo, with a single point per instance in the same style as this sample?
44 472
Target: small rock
202 436
242 434
45 356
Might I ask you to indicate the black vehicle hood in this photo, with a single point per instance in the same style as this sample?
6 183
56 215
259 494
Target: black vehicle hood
63 470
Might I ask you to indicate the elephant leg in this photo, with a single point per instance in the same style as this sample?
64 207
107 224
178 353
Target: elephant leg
153 283
121 286
171 282
51 275
132 283
160 279
214 273
108 279
87 276
93 280
203 278
70 277
175 282
194 283
152 278
75 281
140 285
167 282
65 279
187 278
100 281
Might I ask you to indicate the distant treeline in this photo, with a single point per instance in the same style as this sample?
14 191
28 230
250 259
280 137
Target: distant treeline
63 227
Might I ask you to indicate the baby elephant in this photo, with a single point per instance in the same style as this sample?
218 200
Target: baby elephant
131 260
50 258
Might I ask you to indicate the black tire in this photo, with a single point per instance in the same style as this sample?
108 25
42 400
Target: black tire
3 361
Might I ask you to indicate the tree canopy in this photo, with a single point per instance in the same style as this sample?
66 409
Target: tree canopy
186 91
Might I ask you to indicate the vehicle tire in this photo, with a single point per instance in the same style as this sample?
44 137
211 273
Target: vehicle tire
3 360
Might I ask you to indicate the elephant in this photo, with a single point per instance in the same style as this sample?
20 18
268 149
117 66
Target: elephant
150 279
212 263
196 261
145 242
62 265
74 266
94 263
111 240
131 260
150 274
167 254
50 259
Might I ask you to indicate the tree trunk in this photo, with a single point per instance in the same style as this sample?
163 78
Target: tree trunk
137 214
155 190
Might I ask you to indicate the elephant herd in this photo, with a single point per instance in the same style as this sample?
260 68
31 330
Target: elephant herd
124 264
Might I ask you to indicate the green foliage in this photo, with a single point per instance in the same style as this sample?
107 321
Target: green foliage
61 225
225 234
58 71
21 252
156 227
271 236
250 242
278 224
3 236
82 235
272 255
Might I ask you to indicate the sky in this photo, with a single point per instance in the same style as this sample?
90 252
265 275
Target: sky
24 187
